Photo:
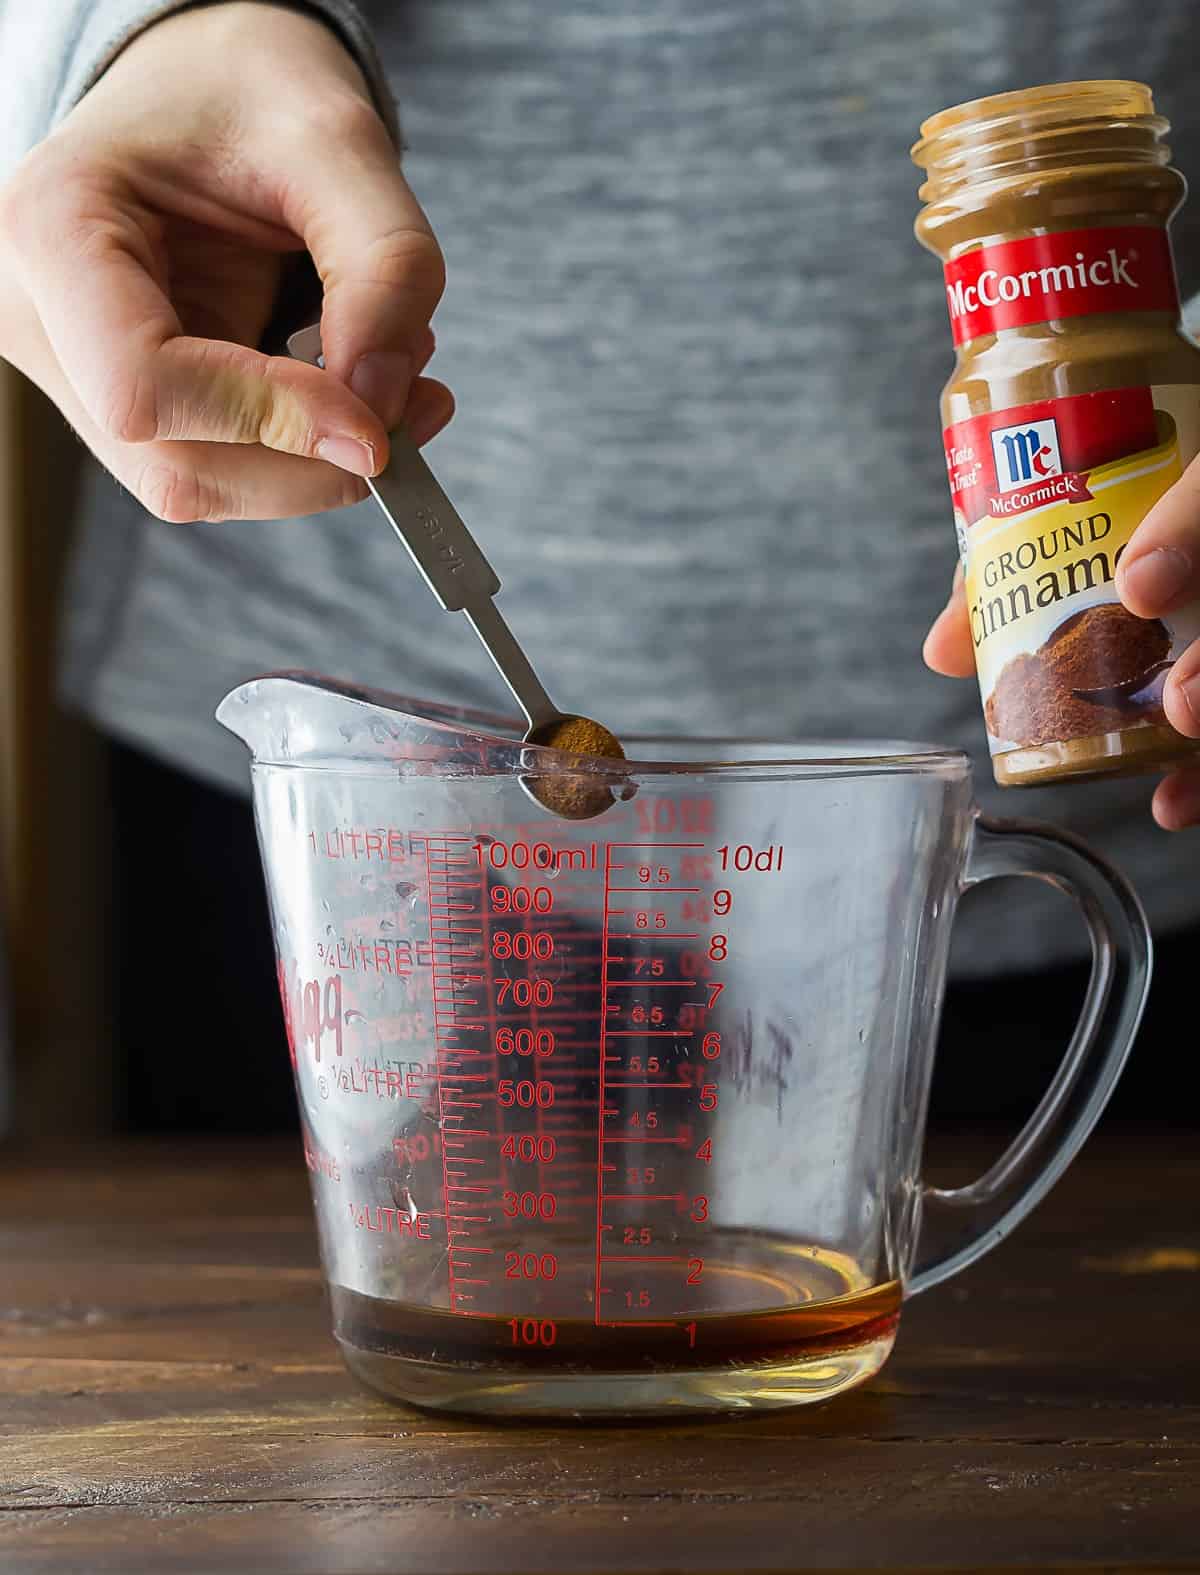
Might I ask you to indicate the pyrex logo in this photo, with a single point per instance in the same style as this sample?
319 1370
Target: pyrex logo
1026 453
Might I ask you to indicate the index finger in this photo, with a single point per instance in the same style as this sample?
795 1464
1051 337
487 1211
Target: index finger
102 300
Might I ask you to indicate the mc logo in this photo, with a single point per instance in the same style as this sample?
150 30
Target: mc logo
1026 453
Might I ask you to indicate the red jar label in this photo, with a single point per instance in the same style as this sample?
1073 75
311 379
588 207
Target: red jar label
1072 273
1015 461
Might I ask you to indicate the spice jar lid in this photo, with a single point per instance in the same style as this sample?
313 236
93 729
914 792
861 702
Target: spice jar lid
1079 122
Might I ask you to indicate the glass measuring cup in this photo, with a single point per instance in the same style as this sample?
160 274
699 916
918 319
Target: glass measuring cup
625 1116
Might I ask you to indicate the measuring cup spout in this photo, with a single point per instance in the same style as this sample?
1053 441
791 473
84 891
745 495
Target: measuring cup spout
303 719
243 712
285 718
296 718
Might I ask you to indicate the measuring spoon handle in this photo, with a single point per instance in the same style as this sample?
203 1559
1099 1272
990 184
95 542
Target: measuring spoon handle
443 549
441 546
448 556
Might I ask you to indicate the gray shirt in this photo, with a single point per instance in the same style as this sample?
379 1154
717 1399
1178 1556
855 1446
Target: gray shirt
697 356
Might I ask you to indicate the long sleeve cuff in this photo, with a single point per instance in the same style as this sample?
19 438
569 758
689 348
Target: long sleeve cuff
109 26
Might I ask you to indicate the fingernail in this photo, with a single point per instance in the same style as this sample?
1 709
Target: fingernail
1157 578
429 410
381 379
348 454
1189 688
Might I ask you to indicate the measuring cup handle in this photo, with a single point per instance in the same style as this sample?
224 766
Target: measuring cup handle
962 1223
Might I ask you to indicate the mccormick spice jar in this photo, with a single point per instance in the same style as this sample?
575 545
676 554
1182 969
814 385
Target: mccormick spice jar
1074 404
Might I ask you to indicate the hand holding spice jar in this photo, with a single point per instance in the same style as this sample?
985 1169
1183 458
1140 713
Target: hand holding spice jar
1071 422
1159 574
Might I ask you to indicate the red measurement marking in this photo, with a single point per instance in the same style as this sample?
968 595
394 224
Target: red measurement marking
615 1139
658 935
643 1197
439 1048
650 1033
659 891
640 1257
640 1323
603 1048
459 964
650 984
614 1084
650 843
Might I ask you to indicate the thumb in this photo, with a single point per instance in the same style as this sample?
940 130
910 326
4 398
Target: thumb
1160 568
379 262
948 646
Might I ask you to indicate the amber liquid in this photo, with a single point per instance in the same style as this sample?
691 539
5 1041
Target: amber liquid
814 1314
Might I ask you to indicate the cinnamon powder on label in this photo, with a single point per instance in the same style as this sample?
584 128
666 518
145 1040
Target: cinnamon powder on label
1104 645
1034 700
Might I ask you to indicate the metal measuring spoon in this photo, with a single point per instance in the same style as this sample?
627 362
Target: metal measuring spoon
462 579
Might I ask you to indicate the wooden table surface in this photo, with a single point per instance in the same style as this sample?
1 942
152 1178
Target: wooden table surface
170 1400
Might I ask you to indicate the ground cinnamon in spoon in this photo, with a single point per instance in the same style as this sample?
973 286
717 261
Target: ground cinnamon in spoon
575 796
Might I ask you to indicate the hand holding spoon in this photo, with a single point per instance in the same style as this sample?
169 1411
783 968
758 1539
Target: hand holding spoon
462 579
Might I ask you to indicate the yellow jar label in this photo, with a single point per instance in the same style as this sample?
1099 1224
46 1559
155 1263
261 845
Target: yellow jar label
1046 497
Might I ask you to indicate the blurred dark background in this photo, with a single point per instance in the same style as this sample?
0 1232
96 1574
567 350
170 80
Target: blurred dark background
112 1020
